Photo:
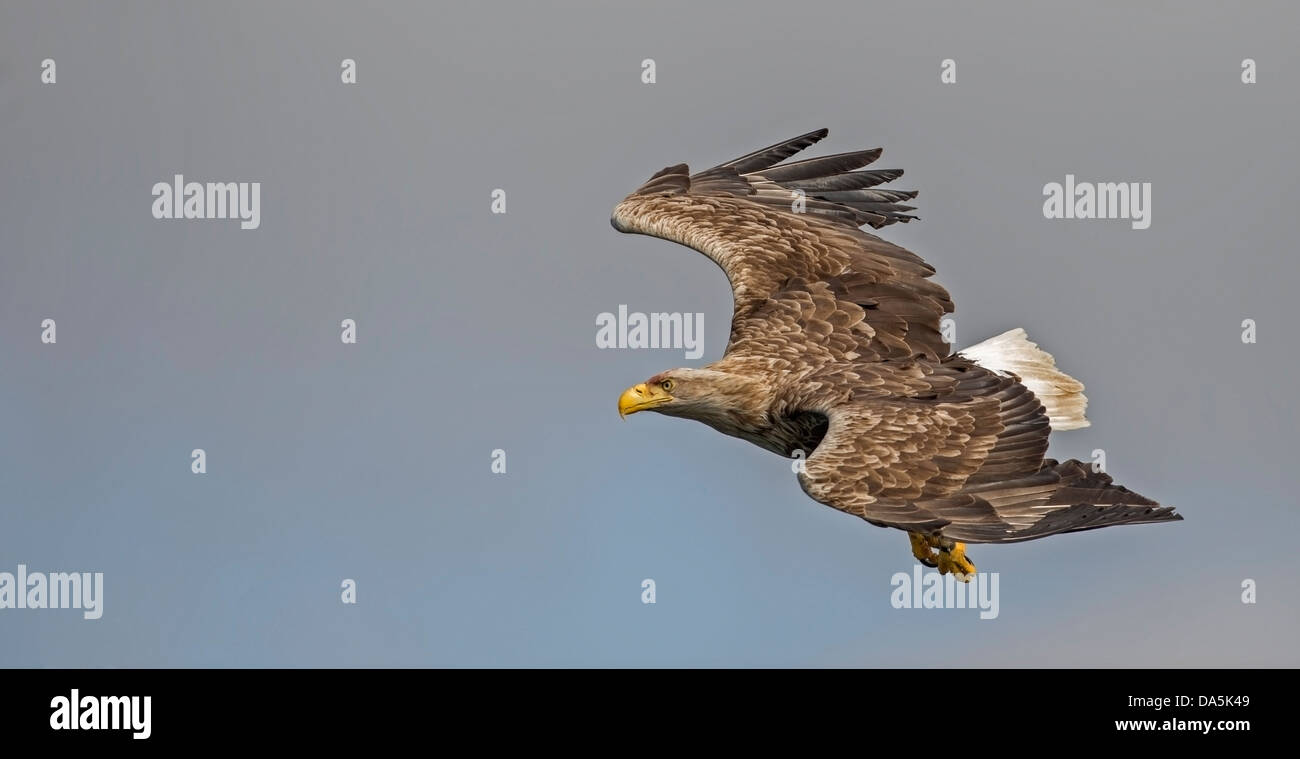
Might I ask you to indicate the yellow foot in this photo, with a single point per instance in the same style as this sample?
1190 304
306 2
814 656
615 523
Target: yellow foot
923 548
952 558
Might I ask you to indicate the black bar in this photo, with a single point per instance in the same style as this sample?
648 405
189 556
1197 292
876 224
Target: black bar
332 708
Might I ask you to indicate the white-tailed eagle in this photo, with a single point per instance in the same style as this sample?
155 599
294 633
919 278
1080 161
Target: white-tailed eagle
836 354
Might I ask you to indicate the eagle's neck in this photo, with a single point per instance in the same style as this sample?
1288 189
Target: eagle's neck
783 435
744 405
755 400
737 402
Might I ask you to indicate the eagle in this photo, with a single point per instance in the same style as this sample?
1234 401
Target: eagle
836 357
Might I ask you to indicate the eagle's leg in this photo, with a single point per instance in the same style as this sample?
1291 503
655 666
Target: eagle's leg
952 558
923 548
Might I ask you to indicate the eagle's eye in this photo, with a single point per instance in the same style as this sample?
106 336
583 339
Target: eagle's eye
667 385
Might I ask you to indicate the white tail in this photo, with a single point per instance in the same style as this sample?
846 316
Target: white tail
1061 394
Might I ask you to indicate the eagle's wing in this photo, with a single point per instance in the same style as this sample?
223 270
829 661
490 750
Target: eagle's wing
786 234
882 458
972 469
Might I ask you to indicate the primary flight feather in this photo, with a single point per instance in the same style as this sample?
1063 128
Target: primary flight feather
836 354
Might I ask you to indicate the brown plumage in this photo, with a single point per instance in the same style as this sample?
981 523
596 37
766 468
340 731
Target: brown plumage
836 352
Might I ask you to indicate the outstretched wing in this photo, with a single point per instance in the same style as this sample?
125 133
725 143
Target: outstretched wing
880 457
787 236
968 470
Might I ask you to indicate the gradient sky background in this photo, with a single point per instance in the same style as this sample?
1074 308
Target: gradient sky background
477 331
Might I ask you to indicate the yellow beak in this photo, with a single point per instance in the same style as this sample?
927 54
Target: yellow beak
641 397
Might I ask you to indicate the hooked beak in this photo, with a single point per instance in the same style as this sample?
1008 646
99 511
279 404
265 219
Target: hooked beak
641 397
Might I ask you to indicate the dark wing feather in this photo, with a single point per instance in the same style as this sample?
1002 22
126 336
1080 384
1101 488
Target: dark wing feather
1059 498
853 180
774 154
824 166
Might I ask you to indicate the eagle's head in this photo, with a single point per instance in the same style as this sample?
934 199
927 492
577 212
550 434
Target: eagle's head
716 398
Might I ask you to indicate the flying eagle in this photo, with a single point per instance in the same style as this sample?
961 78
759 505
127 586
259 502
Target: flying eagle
835 354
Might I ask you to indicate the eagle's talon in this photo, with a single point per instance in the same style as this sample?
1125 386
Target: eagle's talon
952 558
922 546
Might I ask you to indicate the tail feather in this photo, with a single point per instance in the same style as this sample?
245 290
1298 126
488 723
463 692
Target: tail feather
1061 395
